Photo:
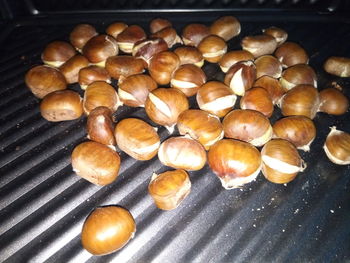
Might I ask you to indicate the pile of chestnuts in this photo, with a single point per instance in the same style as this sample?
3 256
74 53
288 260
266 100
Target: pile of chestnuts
159 72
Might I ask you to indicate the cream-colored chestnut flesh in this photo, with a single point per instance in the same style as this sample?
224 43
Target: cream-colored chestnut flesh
337 146
338 66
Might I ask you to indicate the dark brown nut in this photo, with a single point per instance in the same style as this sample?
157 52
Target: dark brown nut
290 54
212 48
240 77
158 24
169 35
272 86
61 105
100 126
116 28
164 105
279 34
57 52
96 163
226 27
137 139
333 101
162 65
189 55
338 66
146 49
70 69
298 74
257 99
201 126
188 78
169 189
302 100
99 48
249 126
133 90
118 66
193 34
81 34
268 65
42 80
259 45
232 57
91 74
100 93
216 98
129 37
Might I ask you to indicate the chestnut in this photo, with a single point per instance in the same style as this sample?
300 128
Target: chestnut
61 105
189 55
169 189
333 101
226 27
81 34
212 48
137 138
193 34
273 87
99 48
240 77
182 153
118 66
259 45
234 162
162 65
278 33
298 74
164 105
100 93
337 146
216 98
158 24
146 49
201 126
302 100
247 125
116 28
268 65
91 74
232 57
96 163
338 66
188 78
129 36
100 127
169 35
107 229
290 54
57 52
70 69
42 80
133 90
257 99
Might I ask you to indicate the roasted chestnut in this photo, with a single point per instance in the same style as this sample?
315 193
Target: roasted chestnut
226 27
188 78
95 162
259 45
169 189
232 57
189 55
268 65
81 34
216 98
193 34
212 48
137 138
234 162
124 66
290 54
129 36
42 80
99 48
298 74
61 105
70 69
279 34
338 66
162 65
257 99
107 229
91 74
333 101
273 87
169 35
146 49
158 24
116 28
57 52
337 146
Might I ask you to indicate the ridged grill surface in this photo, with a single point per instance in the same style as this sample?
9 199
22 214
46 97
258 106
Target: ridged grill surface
43 204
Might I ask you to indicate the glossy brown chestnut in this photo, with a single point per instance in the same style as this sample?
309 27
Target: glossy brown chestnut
162 65
333 101
259 45
298 74
226 27
70 69
278 33
290 53
257 99
118 66
169 35
337 146
193 34
273 87
91 74
158 24
268 65
129 37
189 55
61 105
81 34
57 52
232 57
212 48
338 66
42 80
116 28
99 48
146 49
100 127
